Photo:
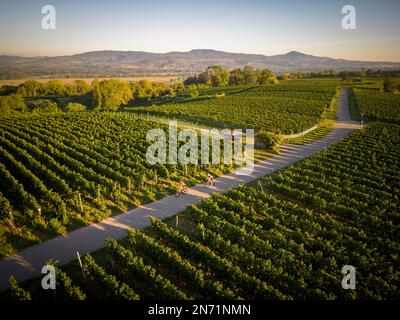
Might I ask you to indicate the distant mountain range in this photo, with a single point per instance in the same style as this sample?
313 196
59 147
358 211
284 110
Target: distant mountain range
133 63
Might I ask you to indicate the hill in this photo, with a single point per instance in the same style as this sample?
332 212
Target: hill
134 63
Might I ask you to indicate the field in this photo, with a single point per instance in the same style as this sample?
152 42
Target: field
340 206
212 159
63 171
290 107
326 124
77 169
285 240
378 105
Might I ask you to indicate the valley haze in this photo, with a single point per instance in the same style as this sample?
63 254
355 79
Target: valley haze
127 63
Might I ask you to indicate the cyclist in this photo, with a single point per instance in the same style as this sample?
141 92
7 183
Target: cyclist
182 188
210 180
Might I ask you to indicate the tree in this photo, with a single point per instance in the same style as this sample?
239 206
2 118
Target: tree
236 77
249 75
266 77
5 105
111 94
31 88
96 95
391 85
192 90
170 92
12 103
55 88
159 89
81 87
143 89
179 87
17 103
70 90
217 75
269 140
188 81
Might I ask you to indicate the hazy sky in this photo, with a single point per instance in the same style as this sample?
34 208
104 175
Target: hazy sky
249 26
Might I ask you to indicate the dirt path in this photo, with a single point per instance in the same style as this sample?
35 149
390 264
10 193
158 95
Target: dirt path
28 263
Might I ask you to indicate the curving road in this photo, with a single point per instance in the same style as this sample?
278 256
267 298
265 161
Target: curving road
28 263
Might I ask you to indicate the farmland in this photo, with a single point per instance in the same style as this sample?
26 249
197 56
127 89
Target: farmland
63 171
199 159
285 236
290 107
289 241
377 105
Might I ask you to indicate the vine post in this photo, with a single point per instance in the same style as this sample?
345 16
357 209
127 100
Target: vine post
80 264
80 201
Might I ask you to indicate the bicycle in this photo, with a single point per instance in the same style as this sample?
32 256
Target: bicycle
181 190
210 182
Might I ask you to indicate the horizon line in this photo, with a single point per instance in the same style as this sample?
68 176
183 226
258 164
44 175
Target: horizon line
196 49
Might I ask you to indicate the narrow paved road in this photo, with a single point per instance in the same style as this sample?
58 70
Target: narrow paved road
28 263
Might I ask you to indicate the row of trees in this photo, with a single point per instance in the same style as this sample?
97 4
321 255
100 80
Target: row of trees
392 85
344 74
16 103
111 94
107 94
34 88
139 89
218 76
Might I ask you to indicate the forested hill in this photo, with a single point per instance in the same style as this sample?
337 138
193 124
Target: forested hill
123 63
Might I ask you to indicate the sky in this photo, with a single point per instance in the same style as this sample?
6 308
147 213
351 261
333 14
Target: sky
248 26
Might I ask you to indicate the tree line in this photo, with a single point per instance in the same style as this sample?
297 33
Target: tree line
344 74
111 94
107 94
218 76
392 85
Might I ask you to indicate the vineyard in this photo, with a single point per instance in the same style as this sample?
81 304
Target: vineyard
63 171
287 240
284 236
377 105
290 107
199 159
